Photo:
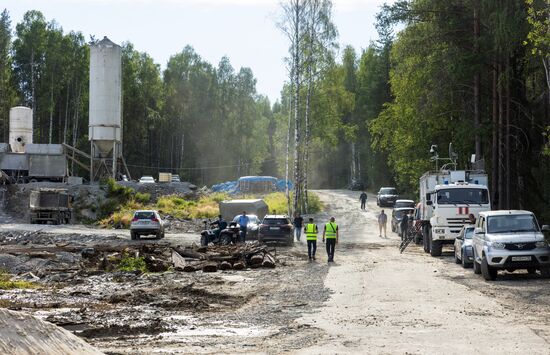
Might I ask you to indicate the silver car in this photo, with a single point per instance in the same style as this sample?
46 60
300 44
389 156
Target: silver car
509 240
464 252
146 222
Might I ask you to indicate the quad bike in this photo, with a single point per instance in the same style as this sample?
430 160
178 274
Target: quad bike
226 236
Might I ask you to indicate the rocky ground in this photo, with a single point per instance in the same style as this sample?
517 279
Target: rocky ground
371 300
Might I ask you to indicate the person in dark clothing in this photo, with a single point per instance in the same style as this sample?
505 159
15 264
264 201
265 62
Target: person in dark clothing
331 235
404 226
363 199
221 223
298 223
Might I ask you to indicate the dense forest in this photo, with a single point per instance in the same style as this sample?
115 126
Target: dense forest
472 72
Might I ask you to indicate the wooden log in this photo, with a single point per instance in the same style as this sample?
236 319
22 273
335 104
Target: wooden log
225 265
269 261
189 268
210 267
256 259
190 253
239 265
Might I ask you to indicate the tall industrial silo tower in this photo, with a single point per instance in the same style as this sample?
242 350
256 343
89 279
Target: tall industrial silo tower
105 130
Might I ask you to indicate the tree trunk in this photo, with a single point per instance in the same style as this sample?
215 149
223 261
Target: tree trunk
33 99
297 143
50 131
306 139
507 170
477 85
501 160
494 150
287 191
66 123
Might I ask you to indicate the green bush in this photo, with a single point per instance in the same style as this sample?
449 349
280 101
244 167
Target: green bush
142 197
7 284
122 193
129 263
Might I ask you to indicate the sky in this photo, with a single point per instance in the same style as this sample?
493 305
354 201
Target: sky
243 30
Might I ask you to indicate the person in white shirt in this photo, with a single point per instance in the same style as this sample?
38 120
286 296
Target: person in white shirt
382 221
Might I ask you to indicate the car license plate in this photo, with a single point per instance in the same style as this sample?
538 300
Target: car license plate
144 222
521 258
274 228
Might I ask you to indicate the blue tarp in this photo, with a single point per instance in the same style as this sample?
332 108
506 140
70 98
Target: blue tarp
232 187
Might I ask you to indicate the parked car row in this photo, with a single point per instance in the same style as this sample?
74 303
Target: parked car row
272 228
147 179
499 240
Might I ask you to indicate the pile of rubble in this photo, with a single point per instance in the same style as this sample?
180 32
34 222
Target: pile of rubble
223 257
38 255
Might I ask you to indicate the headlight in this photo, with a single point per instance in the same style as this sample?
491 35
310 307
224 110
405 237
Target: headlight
498 245
542 244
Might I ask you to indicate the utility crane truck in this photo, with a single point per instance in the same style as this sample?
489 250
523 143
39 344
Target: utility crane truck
447 198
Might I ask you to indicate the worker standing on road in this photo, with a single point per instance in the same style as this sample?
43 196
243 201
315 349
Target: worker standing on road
298 222
404 226
331 235
382 221
243 224
310 229
363 199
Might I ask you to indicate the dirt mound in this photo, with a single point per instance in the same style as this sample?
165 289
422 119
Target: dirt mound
25 334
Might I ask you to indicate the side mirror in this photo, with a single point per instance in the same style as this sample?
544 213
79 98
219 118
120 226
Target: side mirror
479 231
545 228
428 197
429 202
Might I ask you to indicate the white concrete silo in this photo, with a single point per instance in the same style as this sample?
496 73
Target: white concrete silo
105 106
20 128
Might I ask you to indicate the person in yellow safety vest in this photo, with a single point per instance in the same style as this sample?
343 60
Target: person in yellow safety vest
331 235
310 230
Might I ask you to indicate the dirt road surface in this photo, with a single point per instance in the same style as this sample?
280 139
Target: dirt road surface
372 300
384 302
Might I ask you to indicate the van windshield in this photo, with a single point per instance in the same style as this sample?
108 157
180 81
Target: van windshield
512 223
462 196
388 191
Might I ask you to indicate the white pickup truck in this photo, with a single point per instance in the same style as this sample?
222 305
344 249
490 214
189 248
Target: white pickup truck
447 198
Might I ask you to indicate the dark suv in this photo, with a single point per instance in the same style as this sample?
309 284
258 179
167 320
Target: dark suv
386 196
276 228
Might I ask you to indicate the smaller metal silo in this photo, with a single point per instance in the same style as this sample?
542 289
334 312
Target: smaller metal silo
20 128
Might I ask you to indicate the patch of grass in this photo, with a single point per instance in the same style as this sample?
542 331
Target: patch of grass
142 197
6 283
277 203
129 263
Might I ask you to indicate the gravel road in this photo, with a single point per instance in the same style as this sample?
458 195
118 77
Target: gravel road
384 302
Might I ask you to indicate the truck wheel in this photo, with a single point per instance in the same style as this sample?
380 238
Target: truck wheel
545 272
532 270
435 247
159 235
204 240
489 273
